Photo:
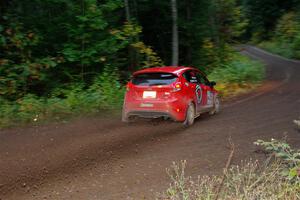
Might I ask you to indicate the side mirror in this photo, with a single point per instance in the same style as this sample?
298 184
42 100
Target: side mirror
213 83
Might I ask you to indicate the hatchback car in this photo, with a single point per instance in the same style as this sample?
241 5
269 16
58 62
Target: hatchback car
178 93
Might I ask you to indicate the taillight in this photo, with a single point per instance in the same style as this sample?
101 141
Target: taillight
177 87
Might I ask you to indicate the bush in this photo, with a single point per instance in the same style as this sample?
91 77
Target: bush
290 158
105 93
239 75
26 109
107 89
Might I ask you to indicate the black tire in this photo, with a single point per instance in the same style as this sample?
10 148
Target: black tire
190 115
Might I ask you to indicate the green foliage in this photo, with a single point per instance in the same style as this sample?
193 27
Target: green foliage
238 75
296 46
288 27
151 59
286 41
71 42
263 16
240 70
283 49
109 87
289 157
207 29
19 68
230 19
146 56
105 92
54 50
215 57
90 40
210 55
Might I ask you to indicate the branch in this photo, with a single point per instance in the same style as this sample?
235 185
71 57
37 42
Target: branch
226 168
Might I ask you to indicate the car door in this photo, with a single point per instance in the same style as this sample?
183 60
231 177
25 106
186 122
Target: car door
192 88
207 93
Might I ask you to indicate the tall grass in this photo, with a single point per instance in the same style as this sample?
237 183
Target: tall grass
250 181
278 178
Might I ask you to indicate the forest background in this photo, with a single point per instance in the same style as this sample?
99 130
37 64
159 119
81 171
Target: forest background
61 58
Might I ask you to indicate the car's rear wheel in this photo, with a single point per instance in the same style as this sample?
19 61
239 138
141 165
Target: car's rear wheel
217 107
190 115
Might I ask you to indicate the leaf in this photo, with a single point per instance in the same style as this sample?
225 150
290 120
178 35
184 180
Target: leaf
293 172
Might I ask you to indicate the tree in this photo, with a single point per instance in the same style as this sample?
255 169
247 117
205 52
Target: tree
175 44
90 42
264 14
127 10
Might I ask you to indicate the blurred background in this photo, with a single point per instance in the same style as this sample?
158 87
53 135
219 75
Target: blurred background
60 58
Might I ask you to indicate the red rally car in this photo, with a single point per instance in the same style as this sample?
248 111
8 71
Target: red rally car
179 93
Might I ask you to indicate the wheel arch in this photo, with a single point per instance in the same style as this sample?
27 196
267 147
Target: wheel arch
190 101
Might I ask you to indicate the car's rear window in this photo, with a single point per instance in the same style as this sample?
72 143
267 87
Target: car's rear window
149 79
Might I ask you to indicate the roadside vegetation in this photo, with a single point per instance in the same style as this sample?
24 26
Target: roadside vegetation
275 26
106 92
286 40
238 76
278 178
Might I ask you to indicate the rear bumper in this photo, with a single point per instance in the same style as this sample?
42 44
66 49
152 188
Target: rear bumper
149 114
171 109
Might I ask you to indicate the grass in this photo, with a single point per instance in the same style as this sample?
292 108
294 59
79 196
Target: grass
33 109
249 181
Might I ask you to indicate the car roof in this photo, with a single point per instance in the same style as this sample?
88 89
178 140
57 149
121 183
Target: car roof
178 70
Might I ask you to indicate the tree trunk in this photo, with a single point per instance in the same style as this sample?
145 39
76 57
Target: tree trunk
132 60
174 34
189 18
127 11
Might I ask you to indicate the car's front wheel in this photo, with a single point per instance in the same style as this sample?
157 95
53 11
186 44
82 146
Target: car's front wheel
190 115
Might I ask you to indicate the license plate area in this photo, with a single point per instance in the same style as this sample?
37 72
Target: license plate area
146 105
149 94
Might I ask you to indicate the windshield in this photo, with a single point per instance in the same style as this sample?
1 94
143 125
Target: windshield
150 79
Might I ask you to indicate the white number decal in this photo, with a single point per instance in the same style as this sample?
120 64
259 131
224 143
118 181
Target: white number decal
198 94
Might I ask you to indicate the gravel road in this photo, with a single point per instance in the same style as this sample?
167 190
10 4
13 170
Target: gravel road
102 158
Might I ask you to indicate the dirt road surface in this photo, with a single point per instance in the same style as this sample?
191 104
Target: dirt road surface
104 159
